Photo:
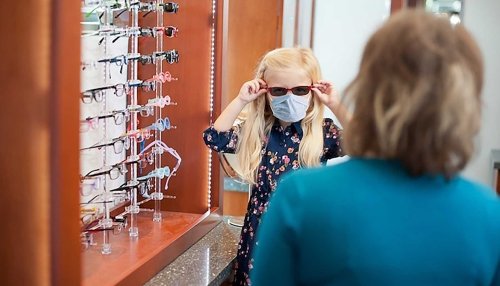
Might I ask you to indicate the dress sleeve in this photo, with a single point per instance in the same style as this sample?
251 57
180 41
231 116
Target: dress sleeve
222 141
276 258
332 140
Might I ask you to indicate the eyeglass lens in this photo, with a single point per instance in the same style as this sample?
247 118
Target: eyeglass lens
280 91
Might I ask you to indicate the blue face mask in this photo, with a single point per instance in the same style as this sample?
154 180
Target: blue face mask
290 107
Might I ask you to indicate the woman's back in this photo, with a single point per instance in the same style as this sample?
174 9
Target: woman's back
367 222
416 107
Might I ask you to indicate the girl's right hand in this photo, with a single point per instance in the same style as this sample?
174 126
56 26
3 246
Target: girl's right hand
252 89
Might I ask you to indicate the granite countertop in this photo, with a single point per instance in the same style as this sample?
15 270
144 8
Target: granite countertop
208 262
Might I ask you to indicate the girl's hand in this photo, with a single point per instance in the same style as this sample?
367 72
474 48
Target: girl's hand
250 90
326 92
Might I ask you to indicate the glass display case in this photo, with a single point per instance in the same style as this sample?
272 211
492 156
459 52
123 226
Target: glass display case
148 184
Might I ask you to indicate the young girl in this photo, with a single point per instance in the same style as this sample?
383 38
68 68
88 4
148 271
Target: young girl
283 130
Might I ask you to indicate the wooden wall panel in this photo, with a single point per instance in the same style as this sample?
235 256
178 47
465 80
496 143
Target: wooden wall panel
397 5
235 203
416 3
39 152
254 27
497 180
64 102
217 180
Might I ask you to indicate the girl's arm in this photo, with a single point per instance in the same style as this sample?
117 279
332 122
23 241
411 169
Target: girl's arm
249 91
226 119
326 93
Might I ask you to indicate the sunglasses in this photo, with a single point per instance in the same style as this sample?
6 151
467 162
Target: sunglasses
298 90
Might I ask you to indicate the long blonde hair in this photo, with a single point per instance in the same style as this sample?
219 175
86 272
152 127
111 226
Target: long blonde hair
417 95
259 119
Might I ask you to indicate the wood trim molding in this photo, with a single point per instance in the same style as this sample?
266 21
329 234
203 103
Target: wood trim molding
39 165
64 137
397 5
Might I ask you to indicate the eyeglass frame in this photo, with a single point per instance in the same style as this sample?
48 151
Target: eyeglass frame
108 170
161 124
125 144
143 110
286 90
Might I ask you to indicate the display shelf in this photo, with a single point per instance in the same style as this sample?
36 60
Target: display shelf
135 261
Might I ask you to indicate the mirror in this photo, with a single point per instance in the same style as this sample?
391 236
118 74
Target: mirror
237 191
453 9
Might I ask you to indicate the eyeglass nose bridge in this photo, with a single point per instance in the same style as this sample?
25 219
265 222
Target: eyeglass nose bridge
89 124
148 85
120 116
171 31
121 144
120 89
169 7
146 111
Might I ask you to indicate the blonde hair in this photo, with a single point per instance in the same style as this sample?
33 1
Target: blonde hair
417 95
259 118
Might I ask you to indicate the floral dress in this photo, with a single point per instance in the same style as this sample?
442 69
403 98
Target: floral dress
279 156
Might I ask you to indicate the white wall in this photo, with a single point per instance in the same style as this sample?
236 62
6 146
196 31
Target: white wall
341 29
288 32
304 22
481 18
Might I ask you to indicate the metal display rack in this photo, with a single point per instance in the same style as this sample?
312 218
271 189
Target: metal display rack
96 212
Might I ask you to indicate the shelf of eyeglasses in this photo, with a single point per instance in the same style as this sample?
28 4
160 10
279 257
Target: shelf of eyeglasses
170 56
161 124
87 232
125 32
116 195
123 142
113 199
92 180
113 171
100 7
120 116
144 185
149 85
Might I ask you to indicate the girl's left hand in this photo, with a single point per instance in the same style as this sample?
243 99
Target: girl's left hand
326 92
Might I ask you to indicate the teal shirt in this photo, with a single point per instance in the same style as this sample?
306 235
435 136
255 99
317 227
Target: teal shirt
367 222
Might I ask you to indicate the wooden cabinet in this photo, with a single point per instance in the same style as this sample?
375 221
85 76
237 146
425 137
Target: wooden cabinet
40 159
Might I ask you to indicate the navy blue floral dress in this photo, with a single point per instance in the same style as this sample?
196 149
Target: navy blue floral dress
280 155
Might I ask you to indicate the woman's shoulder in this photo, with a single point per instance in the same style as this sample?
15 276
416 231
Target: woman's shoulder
476 191
317 175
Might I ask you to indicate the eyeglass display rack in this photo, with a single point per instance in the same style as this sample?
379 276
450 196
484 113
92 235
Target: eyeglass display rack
134 135
95 79
179 215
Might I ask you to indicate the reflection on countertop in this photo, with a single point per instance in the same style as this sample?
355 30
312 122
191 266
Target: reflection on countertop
208 262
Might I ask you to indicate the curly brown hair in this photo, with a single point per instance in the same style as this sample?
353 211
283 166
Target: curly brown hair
416 97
